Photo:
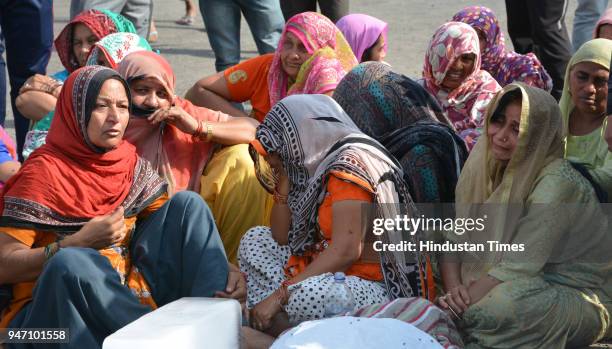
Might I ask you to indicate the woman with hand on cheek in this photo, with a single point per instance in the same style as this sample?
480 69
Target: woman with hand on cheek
178 138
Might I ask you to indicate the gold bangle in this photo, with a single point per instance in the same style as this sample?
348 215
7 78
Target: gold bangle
209 131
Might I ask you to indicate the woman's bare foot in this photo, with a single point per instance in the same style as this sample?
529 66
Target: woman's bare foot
253 339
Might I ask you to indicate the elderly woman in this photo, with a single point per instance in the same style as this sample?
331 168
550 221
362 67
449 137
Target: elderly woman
325 170
453 75
583 107
38 96
312 57
83 221
178 138
504 65
556 292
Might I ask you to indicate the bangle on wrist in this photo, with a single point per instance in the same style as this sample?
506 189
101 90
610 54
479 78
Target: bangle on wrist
209 131
280 198
50 250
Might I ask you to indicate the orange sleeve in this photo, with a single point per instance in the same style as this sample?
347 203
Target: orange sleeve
244 78
154 206
339 190
26 236
342 186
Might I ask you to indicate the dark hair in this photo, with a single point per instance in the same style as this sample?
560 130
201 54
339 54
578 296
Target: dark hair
510 97
367 54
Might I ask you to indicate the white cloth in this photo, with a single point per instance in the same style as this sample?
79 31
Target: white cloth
348 332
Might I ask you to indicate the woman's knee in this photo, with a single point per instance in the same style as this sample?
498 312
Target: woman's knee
81 263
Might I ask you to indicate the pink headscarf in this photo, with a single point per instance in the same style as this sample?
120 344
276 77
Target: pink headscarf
464 106
331 58
504 65
362 31
176 155
606 18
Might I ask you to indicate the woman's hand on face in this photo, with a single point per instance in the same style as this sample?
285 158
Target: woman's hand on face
262 314
236 287
100 232
177 117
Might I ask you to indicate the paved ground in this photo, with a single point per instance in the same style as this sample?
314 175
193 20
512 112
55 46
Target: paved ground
411 24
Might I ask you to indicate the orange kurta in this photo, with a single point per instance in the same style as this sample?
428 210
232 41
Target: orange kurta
130 276
340 187
248 81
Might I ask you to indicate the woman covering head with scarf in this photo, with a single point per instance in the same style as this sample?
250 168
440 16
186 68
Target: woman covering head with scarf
312 57
603 28
178 138
367 36
556 292
322 160
407 120
38 97
583 107
452 74
113 48
504 65
84 219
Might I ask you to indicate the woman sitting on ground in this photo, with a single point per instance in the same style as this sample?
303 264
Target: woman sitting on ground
583 107
325 169
38 96
83 221
367 36
406 119
178 139
453 75
312 57
556 293
504 65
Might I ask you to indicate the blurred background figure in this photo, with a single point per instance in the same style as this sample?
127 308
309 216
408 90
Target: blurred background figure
332 9
27 51
222 21
587 14
538 26
137 11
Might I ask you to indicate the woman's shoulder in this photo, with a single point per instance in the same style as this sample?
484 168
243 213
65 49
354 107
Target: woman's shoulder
560 182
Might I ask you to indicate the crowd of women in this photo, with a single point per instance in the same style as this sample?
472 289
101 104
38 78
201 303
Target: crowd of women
131 197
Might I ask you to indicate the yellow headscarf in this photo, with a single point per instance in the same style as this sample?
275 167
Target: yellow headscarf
485 180
597 51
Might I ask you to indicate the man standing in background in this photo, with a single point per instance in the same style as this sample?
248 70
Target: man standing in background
538 26
26 34
222 21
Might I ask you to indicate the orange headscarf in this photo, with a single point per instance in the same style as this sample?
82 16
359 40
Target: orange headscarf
176 155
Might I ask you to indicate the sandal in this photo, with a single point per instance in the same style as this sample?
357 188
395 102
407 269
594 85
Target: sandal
153 36
186 20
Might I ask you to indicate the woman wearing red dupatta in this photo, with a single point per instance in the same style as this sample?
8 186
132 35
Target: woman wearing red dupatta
178 139
88 238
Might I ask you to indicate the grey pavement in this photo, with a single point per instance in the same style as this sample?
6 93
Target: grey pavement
411 24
